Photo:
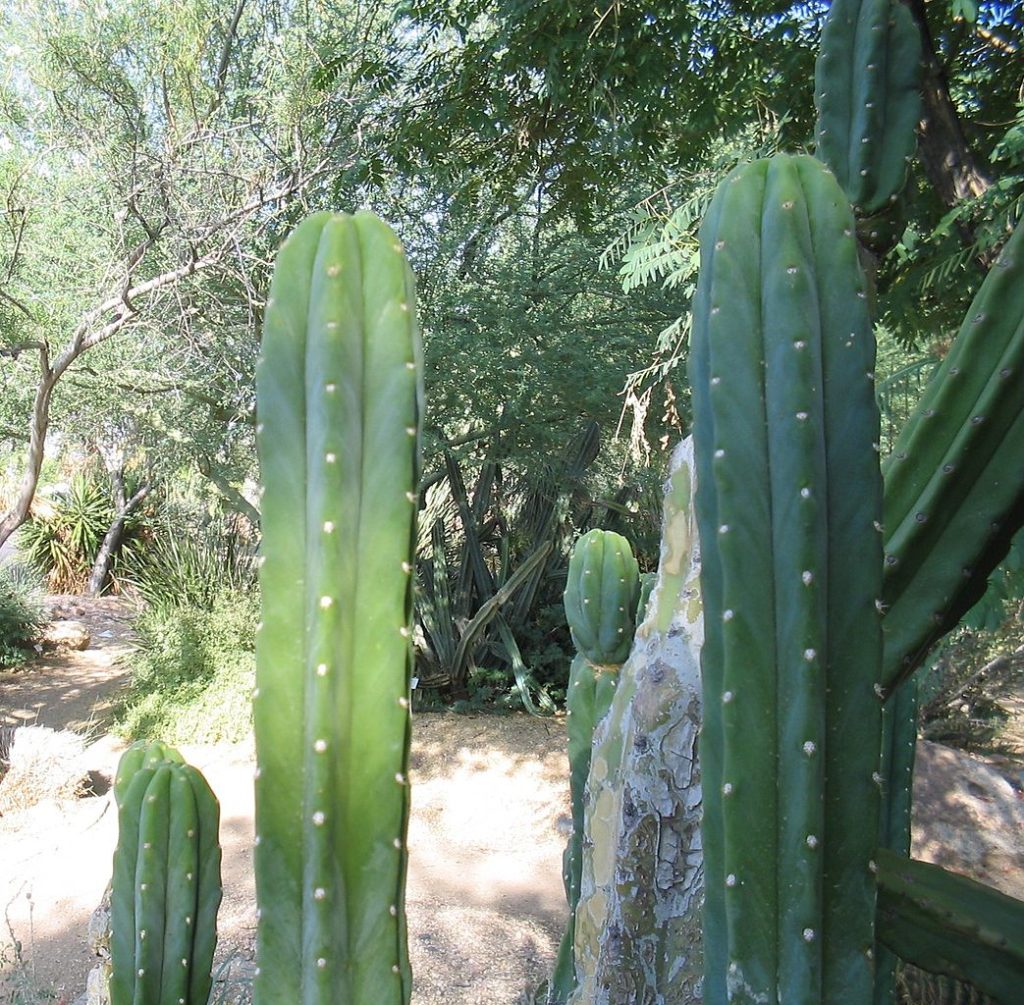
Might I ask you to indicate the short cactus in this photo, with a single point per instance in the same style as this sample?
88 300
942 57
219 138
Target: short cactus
339 388
784 422
166 887
602 594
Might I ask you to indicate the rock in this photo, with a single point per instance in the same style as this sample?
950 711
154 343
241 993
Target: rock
43 764
968 817
66 635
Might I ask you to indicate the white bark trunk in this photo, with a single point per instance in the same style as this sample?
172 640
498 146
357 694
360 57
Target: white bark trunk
638 924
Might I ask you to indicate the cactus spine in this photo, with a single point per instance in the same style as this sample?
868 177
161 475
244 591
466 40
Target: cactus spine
339 390
784 422
601 598
166 886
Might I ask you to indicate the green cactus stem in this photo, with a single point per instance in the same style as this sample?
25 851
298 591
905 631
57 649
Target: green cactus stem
601 595
953 491
949 924
166 888
785 423
867 82
339 399
601 598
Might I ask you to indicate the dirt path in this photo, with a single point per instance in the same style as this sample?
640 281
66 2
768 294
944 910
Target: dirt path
490 811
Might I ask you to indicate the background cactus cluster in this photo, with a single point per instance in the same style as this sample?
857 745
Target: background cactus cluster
825 579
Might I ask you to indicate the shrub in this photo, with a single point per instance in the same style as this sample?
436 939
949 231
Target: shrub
191 562
193 670
21 616
63 536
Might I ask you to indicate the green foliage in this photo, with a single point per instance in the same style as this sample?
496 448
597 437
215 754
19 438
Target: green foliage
21 616
192 671
577 97
63 536
190 561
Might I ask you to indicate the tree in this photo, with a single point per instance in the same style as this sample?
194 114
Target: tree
152 154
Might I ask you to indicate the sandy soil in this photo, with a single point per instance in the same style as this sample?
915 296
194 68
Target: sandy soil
490 817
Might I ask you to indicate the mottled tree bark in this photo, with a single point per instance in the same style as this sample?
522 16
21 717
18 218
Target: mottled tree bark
638 924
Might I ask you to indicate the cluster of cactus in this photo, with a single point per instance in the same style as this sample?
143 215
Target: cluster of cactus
166 886
805 559
339 399
826 578
602 603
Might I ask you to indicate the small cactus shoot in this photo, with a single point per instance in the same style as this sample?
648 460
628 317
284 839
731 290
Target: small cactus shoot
166 886
339 398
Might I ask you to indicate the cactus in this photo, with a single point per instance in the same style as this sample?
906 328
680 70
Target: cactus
784 422
867 91
602 594
166 887
949 924
953 494
339 398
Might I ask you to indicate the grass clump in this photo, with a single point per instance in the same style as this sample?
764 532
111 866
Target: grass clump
193 671
22 617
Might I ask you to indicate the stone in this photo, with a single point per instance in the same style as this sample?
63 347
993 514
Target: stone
66 635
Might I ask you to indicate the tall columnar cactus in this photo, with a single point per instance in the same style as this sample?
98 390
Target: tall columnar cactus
601 598
867 92
339 401
785 422
166 887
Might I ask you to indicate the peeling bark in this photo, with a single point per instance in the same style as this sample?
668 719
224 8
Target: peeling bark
638 923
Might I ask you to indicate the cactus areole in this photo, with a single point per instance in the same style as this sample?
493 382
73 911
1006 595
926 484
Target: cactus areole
339 401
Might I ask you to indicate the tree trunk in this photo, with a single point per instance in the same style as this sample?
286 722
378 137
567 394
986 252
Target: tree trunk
112 539
638 923
953 168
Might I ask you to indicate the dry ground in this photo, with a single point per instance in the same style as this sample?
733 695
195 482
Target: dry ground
490 812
